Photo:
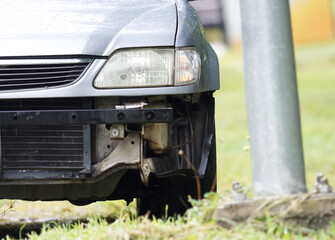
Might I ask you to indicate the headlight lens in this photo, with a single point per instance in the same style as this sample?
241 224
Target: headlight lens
137 68
149 68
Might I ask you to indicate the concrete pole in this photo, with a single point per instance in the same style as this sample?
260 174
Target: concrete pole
272 99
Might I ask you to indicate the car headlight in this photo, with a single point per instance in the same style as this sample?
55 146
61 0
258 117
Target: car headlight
149 68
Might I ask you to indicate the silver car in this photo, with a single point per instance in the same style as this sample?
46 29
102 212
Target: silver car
104 100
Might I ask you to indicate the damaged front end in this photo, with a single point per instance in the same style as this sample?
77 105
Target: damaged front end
88 149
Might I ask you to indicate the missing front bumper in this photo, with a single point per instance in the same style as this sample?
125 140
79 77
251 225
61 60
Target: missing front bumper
56 144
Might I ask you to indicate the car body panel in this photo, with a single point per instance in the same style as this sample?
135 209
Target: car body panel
191 33
84 27
153 23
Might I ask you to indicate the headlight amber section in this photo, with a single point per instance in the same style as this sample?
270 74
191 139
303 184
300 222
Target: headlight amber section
149 68
188 65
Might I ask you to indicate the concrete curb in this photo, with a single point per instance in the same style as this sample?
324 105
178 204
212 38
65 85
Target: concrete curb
312 210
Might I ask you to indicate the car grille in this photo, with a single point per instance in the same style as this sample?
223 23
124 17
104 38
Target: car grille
41 73
44 151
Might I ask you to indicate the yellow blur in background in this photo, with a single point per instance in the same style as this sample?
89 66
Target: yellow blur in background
312 20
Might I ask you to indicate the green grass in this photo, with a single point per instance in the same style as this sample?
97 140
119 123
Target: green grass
316 74
316 81
231 124
197 223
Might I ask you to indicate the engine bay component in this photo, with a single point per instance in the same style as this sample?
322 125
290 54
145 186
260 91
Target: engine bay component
157 136
127 152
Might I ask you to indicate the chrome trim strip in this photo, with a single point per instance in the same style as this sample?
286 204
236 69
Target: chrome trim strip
44 61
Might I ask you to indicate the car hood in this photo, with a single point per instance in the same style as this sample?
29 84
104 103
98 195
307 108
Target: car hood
84 27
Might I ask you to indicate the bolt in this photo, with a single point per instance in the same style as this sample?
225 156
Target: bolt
324 181
120 116
319 176
115 132
149 115
236 186
322 185
237 192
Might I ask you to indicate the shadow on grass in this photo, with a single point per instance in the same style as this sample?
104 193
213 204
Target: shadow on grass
21 229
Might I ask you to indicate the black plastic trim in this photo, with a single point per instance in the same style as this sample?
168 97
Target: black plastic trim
91 116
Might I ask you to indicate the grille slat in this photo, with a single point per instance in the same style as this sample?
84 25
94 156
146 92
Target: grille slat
15 76
33 85
58 158
58 73
46 165
32 133
43 152
28 78
40 139
35 68
33 144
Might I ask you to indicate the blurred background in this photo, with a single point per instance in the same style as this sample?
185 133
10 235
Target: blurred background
312 20
314 40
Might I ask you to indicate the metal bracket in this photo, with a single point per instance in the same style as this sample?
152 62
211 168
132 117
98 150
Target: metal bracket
145 172
127 152
87 171
117 131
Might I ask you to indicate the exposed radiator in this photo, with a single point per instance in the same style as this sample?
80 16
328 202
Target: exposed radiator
44 151
42 147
